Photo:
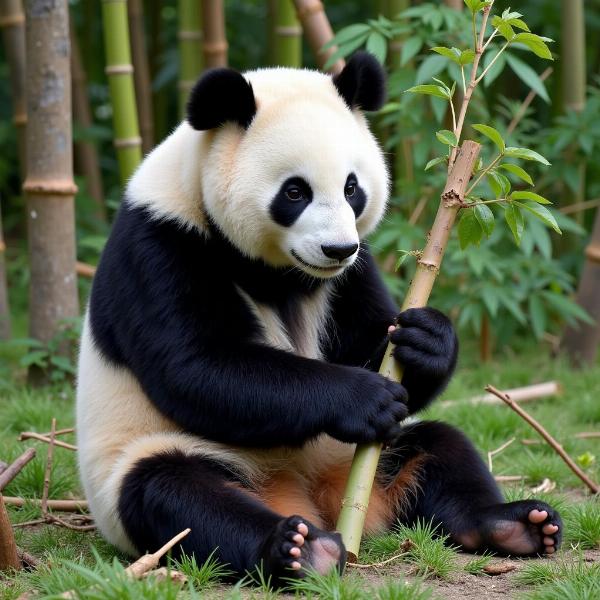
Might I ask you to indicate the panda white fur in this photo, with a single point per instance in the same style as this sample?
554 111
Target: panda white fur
236 321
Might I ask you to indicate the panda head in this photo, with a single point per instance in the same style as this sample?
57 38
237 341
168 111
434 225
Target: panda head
290 172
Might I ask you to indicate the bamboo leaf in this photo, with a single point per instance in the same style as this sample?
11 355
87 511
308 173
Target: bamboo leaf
515 221
470 230
344 50
535 43
435 161
348 34
485 217
517 171
541 212
476 5
431 90
377 45
447 137
524 195
410 48
492 134
528 76
567 307
505 29
467 57
525 154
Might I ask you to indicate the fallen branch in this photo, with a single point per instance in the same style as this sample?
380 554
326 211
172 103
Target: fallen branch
28 560
42 437
499 568
163 573
520 394
60 505
493 453
3 466
509 478
15 467
546 486
594 487
587 435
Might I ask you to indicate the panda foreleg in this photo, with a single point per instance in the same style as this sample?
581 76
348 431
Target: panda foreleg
453 488
168 492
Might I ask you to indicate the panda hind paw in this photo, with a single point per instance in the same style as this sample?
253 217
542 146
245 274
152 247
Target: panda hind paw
297 546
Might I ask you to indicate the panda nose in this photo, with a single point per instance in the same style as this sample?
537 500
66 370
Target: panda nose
339 252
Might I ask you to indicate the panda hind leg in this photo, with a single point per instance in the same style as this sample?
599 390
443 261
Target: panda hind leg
167 492
434 473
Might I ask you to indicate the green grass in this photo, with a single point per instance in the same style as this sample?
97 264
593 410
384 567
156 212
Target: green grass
476 565
561 580
76 559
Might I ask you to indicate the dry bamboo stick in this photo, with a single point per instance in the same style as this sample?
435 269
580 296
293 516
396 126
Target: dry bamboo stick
318 32
32 435
593 486
85 270
587 435
60 505
15 467
492 453
509 478
527 393
57 432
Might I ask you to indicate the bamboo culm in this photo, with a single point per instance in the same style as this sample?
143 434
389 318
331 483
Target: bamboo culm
190 48
120 77
287 37
214 44
358 490
49 185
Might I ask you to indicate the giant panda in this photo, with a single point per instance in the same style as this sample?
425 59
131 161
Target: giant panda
228 361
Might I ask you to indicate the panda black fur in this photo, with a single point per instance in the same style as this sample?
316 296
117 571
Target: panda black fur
236 322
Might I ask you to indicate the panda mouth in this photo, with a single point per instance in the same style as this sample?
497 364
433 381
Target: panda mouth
317 268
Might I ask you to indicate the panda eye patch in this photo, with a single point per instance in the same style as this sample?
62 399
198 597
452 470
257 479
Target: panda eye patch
350 190
355 195
294 195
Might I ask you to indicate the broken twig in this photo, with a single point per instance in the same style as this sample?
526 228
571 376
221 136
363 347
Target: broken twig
8 549
493 453
60 505
42 437
594 487
15 467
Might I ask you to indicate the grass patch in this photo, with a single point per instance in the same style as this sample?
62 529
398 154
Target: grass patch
476 565
429 554
582 524
203 576
561 580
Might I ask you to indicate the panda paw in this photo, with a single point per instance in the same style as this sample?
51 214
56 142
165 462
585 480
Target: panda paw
427 347
522 528
297 546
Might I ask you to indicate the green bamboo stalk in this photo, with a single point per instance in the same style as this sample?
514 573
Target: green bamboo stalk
573 54
287 35
366 458
190 48
120 76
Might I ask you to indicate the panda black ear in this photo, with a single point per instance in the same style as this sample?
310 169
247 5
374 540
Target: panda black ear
221 96
362 82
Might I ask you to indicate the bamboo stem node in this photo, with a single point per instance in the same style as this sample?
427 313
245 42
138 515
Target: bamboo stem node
50 187
215 47
12 20
127 142
289 31
193 36
124 69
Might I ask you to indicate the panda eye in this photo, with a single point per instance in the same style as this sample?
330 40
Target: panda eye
350 190
294 193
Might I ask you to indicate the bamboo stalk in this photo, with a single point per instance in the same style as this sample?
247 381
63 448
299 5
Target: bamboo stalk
592 485
86 153
214 45
120 77
9 558
287 35
190 49
12 23
141 73
364 467
49 186
60 505
318 32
